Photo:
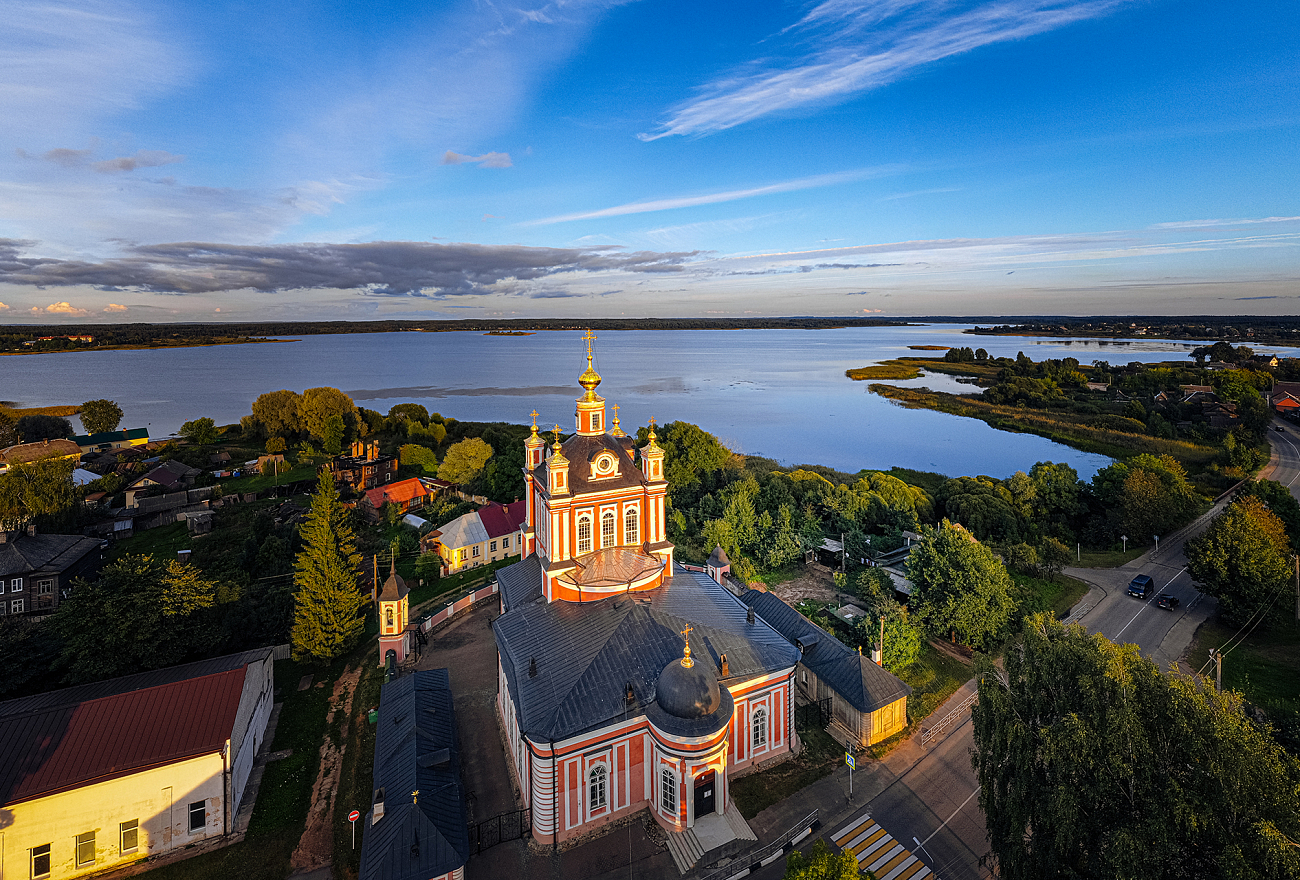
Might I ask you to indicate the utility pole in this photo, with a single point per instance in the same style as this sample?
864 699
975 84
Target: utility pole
882 640
1217 657
844 553
1296 559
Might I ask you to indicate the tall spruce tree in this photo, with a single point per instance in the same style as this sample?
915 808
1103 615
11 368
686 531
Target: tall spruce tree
327 601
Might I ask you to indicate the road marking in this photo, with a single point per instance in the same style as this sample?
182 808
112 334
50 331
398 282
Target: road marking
877 851
953 816
1293 449
1147 603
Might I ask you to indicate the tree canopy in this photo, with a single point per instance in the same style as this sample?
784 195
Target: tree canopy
327 618
276 413
422 457
200 431
464 460
961 587
34 428
40 488
819 863
1243 560
99 415
1094 764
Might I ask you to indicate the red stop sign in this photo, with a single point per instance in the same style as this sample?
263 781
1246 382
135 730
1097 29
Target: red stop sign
354 816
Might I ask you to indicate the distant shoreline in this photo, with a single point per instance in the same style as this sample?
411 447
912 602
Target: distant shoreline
143 347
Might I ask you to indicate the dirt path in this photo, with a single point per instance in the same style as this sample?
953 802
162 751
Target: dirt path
316 848
813 583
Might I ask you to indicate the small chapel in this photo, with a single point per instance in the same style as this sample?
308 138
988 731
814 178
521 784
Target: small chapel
627 681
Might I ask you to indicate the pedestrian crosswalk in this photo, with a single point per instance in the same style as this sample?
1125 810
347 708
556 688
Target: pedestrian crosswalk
878 852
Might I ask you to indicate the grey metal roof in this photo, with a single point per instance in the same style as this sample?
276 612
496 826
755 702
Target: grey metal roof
113 686
416 749
463 531
587 653
27 554
521 582
862 683
581 450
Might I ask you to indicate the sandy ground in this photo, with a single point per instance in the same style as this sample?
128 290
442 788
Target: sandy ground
814 583
316 847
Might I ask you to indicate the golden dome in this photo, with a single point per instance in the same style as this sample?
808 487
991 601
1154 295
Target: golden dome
589 378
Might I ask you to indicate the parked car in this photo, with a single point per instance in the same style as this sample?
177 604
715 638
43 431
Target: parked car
1167 602
1141 586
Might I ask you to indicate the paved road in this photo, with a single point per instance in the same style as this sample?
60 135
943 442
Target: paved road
1284 467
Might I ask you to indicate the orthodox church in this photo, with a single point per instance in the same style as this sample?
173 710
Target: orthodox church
626 680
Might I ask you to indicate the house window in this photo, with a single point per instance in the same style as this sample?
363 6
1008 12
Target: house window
460 555
85 849
584 534
40 861
668 791
596 786
45 588
16 585
630 530
493 546
129 832
16 606
477 547
198 816
760 729
388 617
505 543
607 527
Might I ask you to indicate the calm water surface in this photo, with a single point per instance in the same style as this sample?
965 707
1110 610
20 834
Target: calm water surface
777 393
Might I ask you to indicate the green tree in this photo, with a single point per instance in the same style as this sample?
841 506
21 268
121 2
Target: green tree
1242 559
277 413
961 587
34 428
821 864
1092 763
99 415
415 455
1053 556
902 636
464 460
411 413
275 445
41 488
8 430
327 619
200 432
327 415
690 453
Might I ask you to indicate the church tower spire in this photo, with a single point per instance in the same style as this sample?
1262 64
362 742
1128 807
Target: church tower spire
590 413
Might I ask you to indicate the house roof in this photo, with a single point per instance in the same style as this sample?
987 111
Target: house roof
862 683
401 492
394 587
581 450
718 557
587 653
169 474
23 453
417 749
1292 388
520 583
462 531
502 519
102 437
78 736
25 554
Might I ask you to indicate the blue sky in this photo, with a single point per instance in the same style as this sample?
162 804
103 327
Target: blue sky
244 161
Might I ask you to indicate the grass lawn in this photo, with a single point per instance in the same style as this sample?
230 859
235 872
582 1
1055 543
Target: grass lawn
1110 558
258 482
1041 594
162 543
758 791
355 789
432 589
1262 668
934 677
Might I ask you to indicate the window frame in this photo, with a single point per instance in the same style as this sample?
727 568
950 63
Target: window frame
631 525
598 787
198 808
84 840
123 829
16 585
44 851
16 606
475 551
584 542
668 791
608 529
757 742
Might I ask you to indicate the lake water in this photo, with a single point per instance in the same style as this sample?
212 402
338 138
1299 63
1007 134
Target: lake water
777 393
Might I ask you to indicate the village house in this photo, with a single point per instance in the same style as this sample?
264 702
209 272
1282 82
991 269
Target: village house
36 570
98 776
405 495
170 476
416 828
26 453
867 702
364 467
491 533
106 441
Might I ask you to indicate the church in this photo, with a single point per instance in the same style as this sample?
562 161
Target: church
626 681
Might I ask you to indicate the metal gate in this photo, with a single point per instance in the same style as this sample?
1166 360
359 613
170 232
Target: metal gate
513 825
814 714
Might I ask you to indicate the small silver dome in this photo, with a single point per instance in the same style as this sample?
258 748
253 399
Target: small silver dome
688 691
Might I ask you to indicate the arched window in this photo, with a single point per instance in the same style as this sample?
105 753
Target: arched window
760 729
631 534
668 791
584 534
607 528
596 787
388 616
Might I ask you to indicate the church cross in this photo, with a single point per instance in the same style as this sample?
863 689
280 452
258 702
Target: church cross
589 339
616 412
415 796
534 415
686 654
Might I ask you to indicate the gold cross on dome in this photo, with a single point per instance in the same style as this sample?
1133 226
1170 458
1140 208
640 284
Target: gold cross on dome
589 339
415 796
687 662
534 415
686 633
616 411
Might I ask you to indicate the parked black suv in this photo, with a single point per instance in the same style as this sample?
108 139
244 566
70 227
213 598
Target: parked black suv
1141 586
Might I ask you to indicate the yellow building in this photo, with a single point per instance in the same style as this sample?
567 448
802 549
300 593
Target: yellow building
100 775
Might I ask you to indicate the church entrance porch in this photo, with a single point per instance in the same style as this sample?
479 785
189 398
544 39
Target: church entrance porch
705 795
712 838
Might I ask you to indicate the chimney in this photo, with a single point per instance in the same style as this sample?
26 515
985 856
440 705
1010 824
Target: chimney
31 530
726 669
749 616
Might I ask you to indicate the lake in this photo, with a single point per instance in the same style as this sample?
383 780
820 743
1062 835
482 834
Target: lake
777 393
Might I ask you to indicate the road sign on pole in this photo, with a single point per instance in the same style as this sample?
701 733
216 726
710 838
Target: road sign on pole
848 759
353 817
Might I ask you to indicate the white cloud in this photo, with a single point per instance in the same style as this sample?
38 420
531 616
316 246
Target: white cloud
141 159
63 308
118 307
3 307
487 160
850 48
717 197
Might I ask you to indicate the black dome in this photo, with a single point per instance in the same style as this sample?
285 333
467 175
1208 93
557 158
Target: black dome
688 691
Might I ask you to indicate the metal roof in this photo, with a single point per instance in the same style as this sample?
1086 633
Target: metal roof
26 554
502 519
66 746
581 450
862 683
521 582
417 750
463 531
587 653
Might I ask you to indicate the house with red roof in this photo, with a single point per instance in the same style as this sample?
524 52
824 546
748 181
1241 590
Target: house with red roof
1286 402
491 533
407 495
97 776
